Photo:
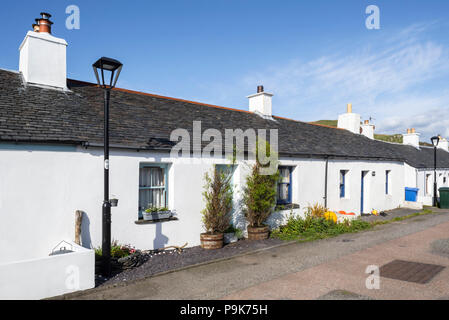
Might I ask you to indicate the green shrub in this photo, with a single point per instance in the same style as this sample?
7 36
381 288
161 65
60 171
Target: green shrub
117 251
259 193
312 228
218 198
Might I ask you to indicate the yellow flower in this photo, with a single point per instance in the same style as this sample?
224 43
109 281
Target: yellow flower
374 212
331 216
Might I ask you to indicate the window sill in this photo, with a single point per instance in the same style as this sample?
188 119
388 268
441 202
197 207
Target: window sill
142 222
290 206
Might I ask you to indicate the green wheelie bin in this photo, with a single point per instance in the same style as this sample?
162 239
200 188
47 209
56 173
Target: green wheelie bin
444 198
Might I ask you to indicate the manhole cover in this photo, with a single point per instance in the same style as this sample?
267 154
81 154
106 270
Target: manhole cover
410 271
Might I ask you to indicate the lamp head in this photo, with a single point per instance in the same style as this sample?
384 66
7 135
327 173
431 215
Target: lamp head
435 140
114 67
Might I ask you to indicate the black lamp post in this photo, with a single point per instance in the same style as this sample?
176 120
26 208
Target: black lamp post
435 140
114 67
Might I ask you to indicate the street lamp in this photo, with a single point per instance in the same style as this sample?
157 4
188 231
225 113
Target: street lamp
114 67
435 140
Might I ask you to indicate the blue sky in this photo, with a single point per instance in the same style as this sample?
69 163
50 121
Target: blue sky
315 56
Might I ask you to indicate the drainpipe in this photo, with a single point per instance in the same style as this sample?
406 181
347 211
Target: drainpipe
325 182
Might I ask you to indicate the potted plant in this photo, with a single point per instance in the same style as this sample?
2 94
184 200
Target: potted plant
154 213
217 214
259 200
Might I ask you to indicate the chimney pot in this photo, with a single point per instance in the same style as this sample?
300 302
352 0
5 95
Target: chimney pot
413 130
366 121
260 89
44 22
349 108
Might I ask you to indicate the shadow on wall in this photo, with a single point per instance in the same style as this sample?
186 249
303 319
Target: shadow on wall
160 240
238 217
86 240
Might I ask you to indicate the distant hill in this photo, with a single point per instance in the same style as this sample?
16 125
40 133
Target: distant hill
396 138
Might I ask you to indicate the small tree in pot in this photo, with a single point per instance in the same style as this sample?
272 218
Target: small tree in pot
217 214
259 199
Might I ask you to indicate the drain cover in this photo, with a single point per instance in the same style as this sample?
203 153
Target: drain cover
410 271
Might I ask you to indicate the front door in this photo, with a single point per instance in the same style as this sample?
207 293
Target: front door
363 192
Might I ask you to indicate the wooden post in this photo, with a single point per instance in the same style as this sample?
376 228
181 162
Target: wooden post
78 222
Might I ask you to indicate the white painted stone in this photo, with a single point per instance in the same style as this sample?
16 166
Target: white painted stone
261 103
349 121
43 60
411 139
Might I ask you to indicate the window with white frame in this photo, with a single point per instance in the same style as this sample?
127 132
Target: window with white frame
152 186
284 187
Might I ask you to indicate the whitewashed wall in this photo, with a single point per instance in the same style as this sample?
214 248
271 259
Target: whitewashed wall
48 276
42 187
427 197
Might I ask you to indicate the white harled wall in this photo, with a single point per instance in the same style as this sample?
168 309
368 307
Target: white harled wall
42 187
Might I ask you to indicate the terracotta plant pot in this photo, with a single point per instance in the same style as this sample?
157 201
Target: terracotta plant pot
258 233
211 241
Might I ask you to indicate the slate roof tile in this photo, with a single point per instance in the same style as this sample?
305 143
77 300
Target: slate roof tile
32 113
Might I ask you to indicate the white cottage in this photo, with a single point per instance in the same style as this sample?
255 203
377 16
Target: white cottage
51 165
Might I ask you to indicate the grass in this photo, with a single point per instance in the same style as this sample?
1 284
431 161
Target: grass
312 228
413 215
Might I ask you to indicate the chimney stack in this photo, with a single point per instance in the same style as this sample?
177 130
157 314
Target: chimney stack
43 56
411 138
443 144
367 129
349 121
261 103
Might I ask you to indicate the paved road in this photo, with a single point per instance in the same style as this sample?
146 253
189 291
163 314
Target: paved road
331 268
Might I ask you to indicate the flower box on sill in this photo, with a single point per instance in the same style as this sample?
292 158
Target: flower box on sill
159 215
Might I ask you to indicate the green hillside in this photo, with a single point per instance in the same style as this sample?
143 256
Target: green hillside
396 138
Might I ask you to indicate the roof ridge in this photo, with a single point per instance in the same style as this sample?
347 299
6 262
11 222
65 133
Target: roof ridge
164 97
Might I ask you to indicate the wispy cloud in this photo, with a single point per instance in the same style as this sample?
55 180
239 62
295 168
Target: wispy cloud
397 81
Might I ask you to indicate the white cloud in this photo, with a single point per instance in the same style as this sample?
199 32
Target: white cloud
396 82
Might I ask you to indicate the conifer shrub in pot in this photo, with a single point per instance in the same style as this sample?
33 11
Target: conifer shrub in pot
259 200
217 213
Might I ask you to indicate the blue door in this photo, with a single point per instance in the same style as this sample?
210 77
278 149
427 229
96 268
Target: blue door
362 191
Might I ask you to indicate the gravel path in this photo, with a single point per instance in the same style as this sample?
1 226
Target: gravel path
170 260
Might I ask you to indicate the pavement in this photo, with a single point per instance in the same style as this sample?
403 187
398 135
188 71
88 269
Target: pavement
327 269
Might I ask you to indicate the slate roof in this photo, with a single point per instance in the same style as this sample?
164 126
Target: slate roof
144 121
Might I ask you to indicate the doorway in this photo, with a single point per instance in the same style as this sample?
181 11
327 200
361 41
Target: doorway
363 193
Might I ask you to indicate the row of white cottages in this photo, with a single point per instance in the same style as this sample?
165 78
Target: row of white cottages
51 164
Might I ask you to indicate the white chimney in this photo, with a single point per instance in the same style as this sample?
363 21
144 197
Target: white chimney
368 129
261 102
411 138
349 121
443 144
43 56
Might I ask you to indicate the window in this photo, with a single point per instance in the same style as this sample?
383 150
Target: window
284 188
152 186
343 183
387 182
227 170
